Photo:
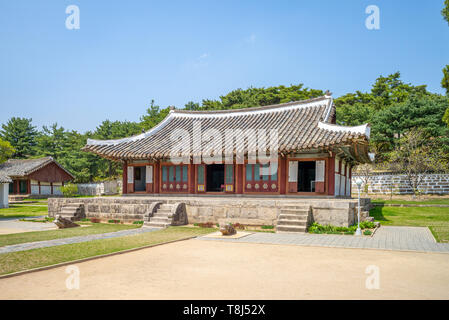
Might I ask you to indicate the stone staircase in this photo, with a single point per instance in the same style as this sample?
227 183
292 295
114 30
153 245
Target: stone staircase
293 218
161 218
73 211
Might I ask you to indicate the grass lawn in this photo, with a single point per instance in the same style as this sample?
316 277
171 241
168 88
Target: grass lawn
23 260
94 228
437 219
433 201
23 210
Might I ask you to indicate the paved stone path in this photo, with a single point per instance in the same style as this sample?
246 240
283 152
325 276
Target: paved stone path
58 242
385 238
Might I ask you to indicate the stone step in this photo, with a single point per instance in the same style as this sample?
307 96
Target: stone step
157 224
296 207
295 211
301 223
69 217
149 225
69 210
285 216
291 229
160 219
164 211
165 206
160 215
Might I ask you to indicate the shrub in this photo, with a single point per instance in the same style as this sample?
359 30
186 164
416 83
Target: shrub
267 227
85 219
367 225
113 221
69 190
138 222
367 232
238 226
206 224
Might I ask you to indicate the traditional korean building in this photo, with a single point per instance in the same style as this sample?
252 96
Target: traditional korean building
42 176
314 156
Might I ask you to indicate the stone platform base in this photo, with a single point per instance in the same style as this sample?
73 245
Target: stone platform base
244 210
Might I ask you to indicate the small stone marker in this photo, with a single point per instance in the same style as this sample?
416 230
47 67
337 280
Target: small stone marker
64 223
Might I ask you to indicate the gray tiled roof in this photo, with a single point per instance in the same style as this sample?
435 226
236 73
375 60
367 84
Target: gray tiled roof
301 125
24 167
4 178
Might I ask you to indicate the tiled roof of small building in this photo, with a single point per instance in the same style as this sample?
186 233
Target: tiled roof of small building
5 178
24 167
301 125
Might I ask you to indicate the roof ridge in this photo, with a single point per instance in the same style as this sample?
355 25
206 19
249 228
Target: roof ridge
271 106
30 159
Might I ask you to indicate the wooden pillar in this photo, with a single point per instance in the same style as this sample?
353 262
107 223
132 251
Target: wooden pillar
29 186
191 168
125 178
239 179
39 184
51 187
156 178
283 176
331 176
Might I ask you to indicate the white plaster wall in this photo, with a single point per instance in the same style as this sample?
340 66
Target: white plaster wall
34 189
4 190
45 190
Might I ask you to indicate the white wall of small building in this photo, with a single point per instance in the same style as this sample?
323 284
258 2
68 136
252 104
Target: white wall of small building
4 191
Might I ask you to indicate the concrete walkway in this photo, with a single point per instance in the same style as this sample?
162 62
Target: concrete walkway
386 238
14 225
58 242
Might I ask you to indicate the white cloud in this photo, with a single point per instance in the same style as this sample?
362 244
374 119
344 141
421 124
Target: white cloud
251 38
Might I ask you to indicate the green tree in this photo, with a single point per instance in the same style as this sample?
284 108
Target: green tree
445 80
192 106
51 141
153 116
21 134
359 108
108 130
416 155
6 150
445 11
424 112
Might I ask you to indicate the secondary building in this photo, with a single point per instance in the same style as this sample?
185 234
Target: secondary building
293 149
42 176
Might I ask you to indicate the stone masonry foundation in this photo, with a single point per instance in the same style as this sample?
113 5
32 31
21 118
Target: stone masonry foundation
247 211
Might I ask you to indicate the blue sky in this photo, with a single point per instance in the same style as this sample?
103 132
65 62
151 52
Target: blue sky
129 52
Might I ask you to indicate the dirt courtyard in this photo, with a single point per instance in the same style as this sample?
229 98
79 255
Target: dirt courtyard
198 269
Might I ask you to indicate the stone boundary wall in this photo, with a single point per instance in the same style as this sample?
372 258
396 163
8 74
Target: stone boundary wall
397 184
249 211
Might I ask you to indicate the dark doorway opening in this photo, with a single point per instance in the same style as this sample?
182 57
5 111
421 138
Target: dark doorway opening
215 177
139 179
306 176
23 186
